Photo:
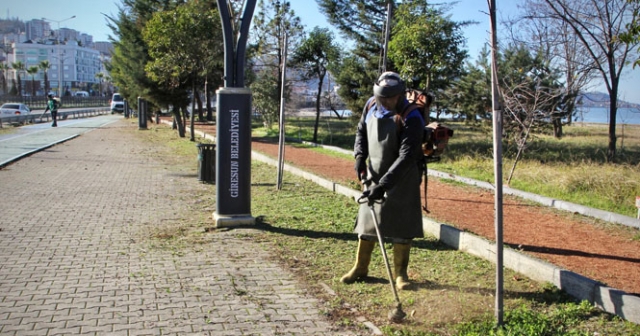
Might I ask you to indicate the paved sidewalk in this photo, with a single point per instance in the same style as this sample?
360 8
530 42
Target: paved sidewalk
33 138
73 258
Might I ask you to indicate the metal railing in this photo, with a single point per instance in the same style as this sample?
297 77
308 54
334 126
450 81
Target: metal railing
38 117
40 102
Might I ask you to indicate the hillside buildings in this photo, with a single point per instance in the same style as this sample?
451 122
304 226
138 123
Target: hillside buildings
76 61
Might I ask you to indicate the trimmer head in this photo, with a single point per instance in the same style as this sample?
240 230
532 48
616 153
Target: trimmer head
397 315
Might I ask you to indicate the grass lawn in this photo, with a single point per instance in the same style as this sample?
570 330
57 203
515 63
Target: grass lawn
310 231
572 168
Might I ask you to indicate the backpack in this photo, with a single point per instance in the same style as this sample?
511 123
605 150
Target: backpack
435 136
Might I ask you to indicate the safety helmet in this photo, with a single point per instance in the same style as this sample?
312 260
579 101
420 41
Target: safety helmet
50 95
389 84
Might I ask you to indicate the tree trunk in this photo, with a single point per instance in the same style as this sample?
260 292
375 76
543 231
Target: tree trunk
613 100
192 115
315 126
557 127
19 86
177 118
571 108
520 151
208 98
183 115
46 84
200 110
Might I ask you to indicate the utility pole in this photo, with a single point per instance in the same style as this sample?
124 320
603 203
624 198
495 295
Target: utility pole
497 160
387 33
60 62
281 140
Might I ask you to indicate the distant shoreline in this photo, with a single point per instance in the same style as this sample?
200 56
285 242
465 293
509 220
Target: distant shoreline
595 115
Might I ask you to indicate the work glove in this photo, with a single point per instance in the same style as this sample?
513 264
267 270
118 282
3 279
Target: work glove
374 193
361 167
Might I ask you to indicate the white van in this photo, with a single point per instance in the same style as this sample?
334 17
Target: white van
117 103
81 94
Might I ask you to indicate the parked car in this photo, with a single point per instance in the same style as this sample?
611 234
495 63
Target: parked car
13 109
117 103
81 94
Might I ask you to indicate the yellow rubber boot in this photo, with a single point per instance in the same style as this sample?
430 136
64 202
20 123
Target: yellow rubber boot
363 257
400 263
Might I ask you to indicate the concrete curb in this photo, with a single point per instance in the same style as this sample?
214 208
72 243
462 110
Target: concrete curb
43 147
547 201
18 157
611 300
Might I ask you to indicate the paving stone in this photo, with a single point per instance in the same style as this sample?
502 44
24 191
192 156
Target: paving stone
75 255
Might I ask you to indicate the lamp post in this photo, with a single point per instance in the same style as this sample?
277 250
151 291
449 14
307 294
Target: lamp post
59 56
233 138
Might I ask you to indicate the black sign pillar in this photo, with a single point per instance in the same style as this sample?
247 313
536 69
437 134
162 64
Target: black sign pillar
142 114
125 109
233 137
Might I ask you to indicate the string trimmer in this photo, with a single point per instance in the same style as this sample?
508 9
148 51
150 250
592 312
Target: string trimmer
395 315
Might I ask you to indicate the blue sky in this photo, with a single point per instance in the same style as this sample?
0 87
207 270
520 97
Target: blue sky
89 19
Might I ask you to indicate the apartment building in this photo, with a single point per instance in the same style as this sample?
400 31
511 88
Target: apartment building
37 30
74 57
72 66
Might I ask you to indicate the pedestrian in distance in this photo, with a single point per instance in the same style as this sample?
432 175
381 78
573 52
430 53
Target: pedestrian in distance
52 105
388 158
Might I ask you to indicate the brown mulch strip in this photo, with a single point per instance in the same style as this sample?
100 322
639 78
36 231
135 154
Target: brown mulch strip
607 253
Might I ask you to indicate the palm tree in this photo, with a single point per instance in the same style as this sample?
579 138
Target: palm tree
100 76
32 71
45 66
107 79
3 76
18 67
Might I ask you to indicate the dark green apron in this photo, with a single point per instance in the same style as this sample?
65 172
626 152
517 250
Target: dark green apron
400 215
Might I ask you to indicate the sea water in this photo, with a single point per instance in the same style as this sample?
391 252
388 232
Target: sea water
601 115
585 114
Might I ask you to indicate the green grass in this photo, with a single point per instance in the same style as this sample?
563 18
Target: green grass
526 321
452 290
331 131
573 168
309 229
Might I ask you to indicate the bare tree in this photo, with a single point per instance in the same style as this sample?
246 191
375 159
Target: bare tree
595 25
560 46
579 71
532 94
333 102
273 21
527 105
